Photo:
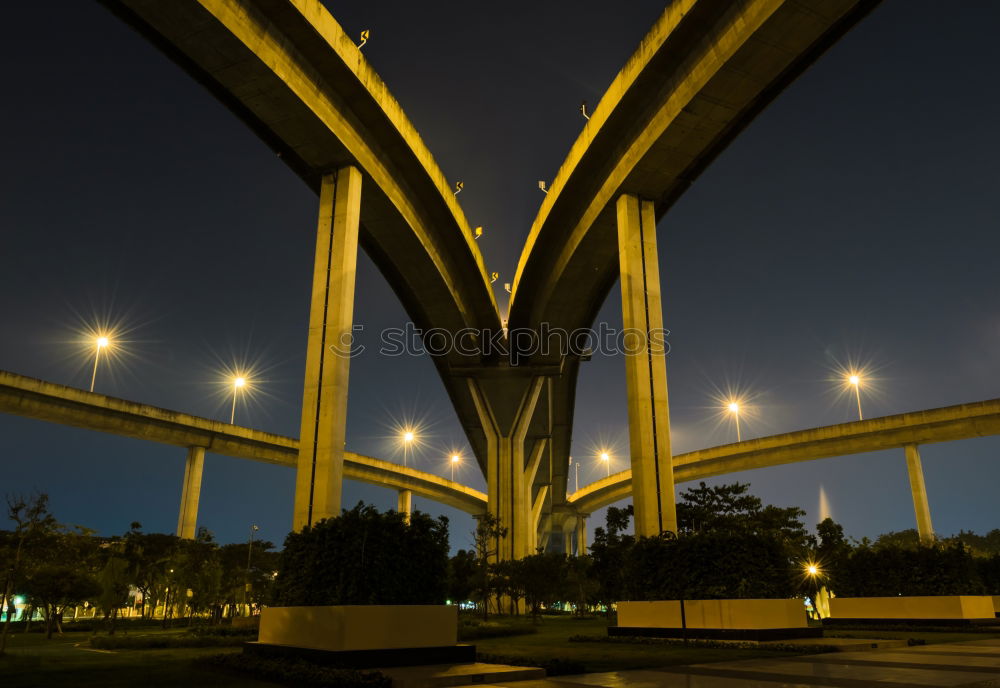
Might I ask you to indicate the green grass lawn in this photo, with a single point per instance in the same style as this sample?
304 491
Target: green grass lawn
552 642
68 661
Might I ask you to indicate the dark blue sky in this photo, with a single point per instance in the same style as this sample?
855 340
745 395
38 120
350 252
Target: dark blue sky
856 219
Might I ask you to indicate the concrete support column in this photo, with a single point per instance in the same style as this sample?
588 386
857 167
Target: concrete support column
508 492
404 504
645 369
919 492
320 471
581 535
187 521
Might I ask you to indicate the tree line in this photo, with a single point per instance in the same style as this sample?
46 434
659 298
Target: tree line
56 567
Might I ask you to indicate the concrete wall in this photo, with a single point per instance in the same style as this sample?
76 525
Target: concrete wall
729 614
351 627
937 607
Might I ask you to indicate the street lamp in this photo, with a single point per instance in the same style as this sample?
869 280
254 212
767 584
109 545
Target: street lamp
455 458
606 458
101 342
239 382
246 587
408 438
855 380
734 408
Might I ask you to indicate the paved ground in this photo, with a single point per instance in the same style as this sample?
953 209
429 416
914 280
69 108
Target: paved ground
967 664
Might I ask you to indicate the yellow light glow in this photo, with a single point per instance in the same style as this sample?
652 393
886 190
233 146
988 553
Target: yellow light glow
408 436
455 458
854 380
605 456
812 569
239 382
734 407
102 342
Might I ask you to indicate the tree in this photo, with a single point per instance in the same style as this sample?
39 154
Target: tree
461 575
56 587
365 557
581 587
507 581
608 552
32 522
150 557
115 582
486 538
732 508
197 573
543 577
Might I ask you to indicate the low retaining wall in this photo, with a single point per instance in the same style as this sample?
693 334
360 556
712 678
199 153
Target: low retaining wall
755 614
724 619
360 627
939 608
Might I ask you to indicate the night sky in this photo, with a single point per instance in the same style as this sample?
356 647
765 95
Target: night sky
855 221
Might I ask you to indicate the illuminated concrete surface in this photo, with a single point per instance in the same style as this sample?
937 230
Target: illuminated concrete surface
947 424
25 396
319 474
969 663
703 72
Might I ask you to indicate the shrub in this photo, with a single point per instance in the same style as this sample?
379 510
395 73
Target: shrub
223 631
708 565
295 672
487 630
365 557
989 573
893 570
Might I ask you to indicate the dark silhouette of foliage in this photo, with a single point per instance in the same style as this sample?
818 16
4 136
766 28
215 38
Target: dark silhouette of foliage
731 508
709 565
486 538
608 552
462 570
891 570
365 557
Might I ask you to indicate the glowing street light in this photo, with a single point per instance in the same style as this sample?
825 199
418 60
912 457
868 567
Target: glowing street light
101 342
239 382
734 408
408 437
855 380
812 570
455 458
606 458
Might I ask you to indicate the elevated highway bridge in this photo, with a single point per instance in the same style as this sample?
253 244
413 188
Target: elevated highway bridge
32 398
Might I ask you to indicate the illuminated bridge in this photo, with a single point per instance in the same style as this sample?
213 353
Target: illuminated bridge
33 398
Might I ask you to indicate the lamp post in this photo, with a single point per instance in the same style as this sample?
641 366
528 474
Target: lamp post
855 380
246 586
239 382
455 458
101 342
734 408
606 458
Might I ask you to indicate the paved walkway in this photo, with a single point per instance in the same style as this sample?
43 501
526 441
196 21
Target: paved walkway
968 664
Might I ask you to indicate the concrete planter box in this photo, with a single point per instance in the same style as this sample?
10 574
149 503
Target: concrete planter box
955 609
731 619
360 628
